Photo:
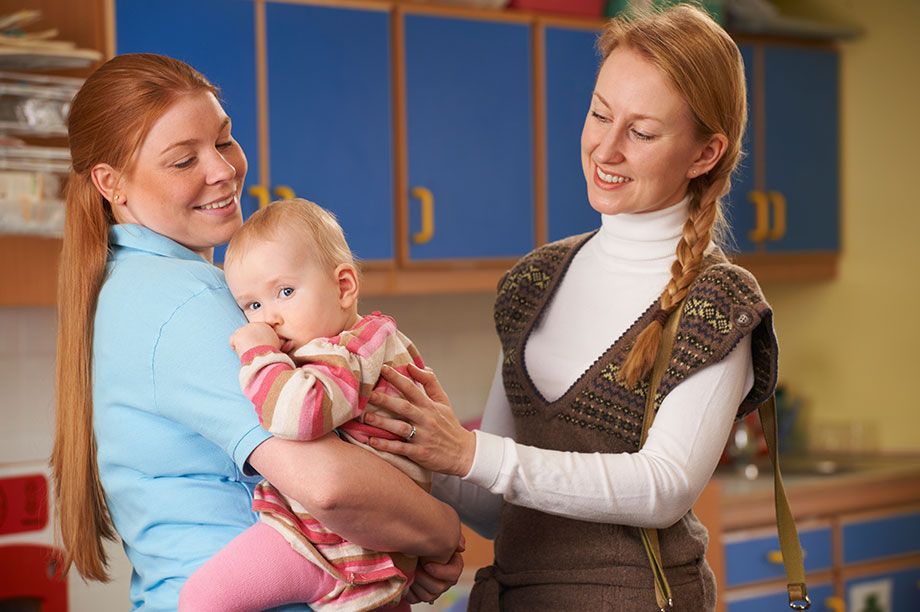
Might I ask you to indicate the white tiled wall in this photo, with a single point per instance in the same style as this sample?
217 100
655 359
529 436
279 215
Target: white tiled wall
27 349
27 337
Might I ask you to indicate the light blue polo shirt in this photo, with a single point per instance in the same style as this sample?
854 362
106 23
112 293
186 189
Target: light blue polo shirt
172 427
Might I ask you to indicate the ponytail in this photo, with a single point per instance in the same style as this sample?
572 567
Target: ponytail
83 522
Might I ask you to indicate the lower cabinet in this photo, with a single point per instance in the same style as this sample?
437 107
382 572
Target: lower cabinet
892 591
860 539
821 595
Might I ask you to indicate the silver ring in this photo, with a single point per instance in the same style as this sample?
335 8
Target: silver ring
411 434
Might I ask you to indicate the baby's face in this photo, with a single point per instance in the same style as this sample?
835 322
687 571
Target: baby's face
279 283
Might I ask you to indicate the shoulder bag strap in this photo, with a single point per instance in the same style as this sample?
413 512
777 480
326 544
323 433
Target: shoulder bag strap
785 524
650 535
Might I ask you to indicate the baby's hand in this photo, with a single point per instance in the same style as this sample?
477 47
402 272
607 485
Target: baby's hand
252 335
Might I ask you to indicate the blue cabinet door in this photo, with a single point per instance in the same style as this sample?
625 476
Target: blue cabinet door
799 189
469 136
571 70
330 114
802 146
779 600
749 560
216 37
739 210
900 589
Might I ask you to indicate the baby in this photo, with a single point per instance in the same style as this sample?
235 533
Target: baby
309 364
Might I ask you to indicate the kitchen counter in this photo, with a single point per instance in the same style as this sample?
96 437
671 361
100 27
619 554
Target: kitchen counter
817 485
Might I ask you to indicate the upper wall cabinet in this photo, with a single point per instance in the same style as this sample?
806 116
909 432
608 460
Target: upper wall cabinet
328 98
329 116
215 37
469 121
570 70
785 199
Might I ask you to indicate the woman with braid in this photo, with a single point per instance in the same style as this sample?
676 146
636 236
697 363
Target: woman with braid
557 473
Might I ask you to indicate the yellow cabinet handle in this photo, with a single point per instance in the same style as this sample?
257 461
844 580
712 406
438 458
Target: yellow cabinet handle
835 604
779 215
427 200
284 192
762 216
776 556
258 191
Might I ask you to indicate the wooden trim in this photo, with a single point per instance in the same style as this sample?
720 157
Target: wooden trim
538 63
707 510
879 567
365 5
874 514
837 552
756 533
262 93
571 21
465 12
495 263
108 29
801 266
766 588
400 137
767 39
394 282
28 269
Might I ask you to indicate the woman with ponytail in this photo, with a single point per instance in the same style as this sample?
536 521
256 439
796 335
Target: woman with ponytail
155 444
558 473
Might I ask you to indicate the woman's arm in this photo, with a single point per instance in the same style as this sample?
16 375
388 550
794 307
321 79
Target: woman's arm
651 488
359 496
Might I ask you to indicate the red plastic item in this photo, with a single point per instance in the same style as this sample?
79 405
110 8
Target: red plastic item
23 503
590 8
31 578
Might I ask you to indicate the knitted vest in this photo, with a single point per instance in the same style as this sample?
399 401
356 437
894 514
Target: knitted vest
600 414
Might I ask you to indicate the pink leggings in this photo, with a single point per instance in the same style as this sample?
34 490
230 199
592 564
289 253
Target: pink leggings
257 570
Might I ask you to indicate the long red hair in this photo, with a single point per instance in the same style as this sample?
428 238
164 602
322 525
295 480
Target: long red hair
109 118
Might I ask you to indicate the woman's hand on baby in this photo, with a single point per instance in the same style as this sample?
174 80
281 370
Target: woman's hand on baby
434 576
252 335
440 443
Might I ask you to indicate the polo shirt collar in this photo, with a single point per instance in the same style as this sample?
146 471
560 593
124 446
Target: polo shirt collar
138 237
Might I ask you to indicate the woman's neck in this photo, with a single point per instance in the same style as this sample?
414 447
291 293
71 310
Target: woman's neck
643 241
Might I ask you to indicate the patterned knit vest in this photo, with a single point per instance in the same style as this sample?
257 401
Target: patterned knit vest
600 414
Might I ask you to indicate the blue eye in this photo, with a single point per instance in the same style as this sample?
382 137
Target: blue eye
286 292
254 306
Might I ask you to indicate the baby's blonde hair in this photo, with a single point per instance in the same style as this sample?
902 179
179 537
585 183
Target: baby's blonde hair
298 220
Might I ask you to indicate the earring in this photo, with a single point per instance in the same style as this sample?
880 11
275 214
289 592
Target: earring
694 173
116 197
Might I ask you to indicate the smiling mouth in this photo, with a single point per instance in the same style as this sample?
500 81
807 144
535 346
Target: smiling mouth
217 205
612 178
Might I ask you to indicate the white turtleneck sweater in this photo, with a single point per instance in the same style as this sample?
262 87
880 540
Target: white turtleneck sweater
612 280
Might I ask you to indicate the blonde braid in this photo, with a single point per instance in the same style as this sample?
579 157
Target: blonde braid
697 233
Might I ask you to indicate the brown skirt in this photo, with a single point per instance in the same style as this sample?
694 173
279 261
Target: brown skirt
693 588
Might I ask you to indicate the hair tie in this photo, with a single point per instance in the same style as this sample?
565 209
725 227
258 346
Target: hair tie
661 315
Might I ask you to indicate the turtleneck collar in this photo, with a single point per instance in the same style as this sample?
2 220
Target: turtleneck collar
643 239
